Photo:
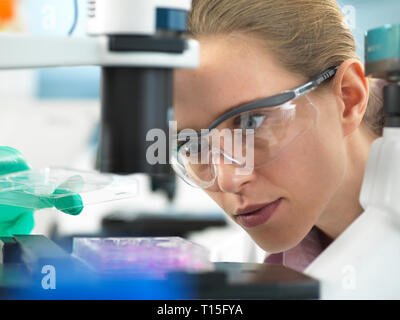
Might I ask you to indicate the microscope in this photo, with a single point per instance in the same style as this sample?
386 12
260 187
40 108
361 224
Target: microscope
364 261
137 44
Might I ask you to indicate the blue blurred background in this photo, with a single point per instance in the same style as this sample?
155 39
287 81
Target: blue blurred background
363 15
51 17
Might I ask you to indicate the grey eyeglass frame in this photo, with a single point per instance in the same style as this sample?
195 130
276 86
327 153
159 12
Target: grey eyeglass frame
274 101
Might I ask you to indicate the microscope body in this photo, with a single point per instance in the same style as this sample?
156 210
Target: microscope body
137 99
137 44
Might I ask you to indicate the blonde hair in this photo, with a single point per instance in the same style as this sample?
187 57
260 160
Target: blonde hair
306 36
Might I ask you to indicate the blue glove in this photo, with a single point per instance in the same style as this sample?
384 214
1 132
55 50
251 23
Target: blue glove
19 220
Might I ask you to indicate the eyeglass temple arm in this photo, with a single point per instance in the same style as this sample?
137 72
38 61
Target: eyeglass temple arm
280 98
315 82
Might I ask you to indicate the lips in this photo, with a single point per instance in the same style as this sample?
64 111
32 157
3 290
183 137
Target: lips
256 215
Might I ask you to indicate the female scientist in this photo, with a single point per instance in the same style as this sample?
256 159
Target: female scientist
288 73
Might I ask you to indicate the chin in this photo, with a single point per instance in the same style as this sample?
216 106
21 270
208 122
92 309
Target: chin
275 245
275 249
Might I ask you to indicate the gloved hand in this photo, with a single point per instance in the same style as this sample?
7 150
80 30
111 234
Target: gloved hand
19 220
13 220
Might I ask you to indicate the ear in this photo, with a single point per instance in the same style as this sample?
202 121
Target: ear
352 88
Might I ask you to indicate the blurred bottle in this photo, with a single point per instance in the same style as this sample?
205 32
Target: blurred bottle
10 20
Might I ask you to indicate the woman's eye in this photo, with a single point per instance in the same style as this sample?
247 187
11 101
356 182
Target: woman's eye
194 149
250 121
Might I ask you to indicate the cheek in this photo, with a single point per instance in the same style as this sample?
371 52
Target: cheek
310 173
314 168
314 165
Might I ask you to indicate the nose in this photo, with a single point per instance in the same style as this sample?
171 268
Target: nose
231 178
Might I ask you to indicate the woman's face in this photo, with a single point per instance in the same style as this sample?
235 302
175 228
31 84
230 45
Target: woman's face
235 70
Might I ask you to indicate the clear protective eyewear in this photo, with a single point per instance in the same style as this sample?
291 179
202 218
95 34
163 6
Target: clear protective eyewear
249 136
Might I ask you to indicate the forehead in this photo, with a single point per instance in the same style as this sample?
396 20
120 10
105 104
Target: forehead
232 70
